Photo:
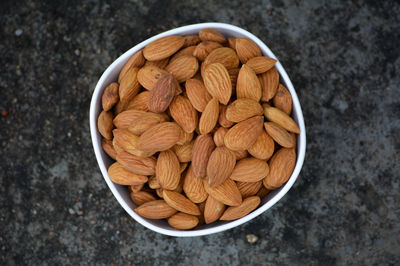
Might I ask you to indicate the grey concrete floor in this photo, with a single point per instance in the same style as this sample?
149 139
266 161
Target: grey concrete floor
344 60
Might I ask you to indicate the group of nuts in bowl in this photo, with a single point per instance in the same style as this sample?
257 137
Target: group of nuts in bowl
200 129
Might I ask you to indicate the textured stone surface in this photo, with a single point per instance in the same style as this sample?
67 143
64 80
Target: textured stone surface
344 60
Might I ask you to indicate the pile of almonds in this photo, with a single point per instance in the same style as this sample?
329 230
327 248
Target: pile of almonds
200 129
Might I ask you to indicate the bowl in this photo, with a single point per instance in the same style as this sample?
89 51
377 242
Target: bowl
121 193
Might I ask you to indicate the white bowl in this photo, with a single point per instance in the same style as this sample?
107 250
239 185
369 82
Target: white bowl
121 193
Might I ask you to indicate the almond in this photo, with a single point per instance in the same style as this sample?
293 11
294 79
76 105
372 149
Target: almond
213 210
224 55
248 205
139 102
218 82
129 85
191 40
184 152
261 64
184 137
153 182
183 221
149 75
184 113
126 118
182 169
108 148
129 142
163 47
159 63
220 166
275 115
248 189
202 206
110 96
246 49
202 149
136 60
211 35
242 109
283 100
240 154
131 118
263 148
280 135
168 170
262 192
117 148
135 188
222 120
193 187
162 94
197 94
185 51
250 170
232 43
159 192
105 124
140 125
120 107
209 117
183 68
121 176
141 197
227 192
160 137
243 135
248 85
269 82
136 164
156 209
233 74
204 48
219 136
180 202
282 165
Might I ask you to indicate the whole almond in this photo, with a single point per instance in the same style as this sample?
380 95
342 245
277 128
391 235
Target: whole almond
203 49
180 202
108 148
156 209
159 63
243 135
183 112
184 152
233 74
281 165
227 192
248 85
141 197
185 51
129 142
105 124
263 148
197 94
283 100
209 117
162 94
136 60
139 102
281 118
241 154
213 210
218 83
220 166
120 175
126 118
136 164
219 136
110 96
149 75
202 149
153 182
242 109
160 137
279 134
129 85
183 68
183 221
232 43
224 55
261 64
211 35
222 120
262 192
193 187
184 137
248 189
163 47
248 205
269 82
250 170
168 170
246 49
191 40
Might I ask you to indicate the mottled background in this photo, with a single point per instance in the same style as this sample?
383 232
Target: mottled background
344 61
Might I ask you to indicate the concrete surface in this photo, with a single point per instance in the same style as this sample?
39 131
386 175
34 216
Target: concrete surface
344 61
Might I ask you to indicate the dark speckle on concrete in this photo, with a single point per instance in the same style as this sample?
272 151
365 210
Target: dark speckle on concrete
344 60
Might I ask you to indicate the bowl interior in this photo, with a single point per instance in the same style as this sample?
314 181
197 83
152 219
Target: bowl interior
121 193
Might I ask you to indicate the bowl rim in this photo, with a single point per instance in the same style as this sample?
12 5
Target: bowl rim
96 98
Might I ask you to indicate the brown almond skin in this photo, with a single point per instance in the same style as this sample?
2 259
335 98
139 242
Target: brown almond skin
222 120
248 85
219 136
184 114
191 40
160 137
211 35
203 49
224 55
213 210
135 188
218 83
242 109
183 221
110 96
129 85
227 192
156 209
184 152
139 102
141 197
220 166
153 182
108 148
246 49
248 205
136 60
162 94
243 135
262 192
159 63
233 74
180 202
168 170
193 187
163 47
149 75
183 68
209 117
263 148
250 170
197 94
119 175
144 123
129 142
280 135
105 124
261 64
248 189
184 137
232 43
281 168
202 149
136 164
185 51
269 83
283 100
126 118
